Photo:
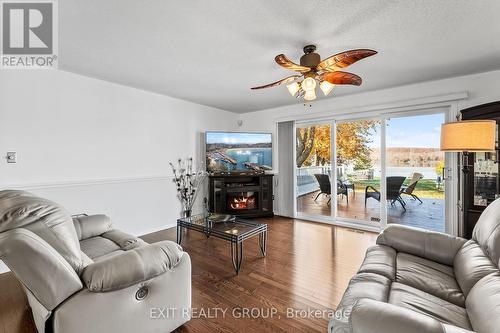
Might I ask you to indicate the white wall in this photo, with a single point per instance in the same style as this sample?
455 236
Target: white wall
94 146
482 88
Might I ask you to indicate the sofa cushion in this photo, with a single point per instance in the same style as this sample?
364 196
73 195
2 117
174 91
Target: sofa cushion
98 246
483 304
381 260
362 285
427 304
471 265
369 316
431 245
108 255
430 277
131 267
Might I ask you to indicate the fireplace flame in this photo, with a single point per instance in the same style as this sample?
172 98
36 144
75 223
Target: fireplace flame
243 202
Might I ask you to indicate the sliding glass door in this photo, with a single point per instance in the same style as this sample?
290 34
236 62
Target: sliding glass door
358 164
313 169
373 171
413 155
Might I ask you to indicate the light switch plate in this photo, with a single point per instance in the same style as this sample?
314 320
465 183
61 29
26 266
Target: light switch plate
11 157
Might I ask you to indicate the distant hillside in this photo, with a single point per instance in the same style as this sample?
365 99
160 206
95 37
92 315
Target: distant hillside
409 157
217 146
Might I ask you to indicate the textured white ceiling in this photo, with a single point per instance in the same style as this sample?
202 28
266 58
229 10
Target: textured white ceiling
212 51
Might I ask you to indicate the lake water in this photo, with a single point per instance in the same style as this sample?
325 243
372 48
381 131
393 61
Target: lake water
427 172
261 156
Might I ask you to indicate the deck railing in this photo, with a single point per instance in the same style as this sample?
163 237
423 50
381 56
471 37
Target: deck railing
306 182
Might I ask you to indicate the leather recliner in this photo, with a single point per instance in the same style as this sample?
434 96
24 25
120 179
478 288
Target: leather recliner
80 275
418 281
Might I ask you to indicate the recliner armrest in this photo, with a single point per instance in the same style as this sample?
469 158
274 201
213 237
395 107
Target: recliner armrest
131 267
125 241
427 244
370 316
88 226
40 268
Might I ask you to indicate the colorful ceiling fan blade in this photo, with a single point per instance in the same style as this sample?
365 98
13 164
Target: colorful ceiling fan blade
283 61
340 77
344 59
277 83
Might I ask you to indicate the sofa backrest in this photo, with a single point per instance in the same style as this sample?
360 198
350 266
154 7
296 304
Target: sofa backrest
483 304
49 221
476 271
487 231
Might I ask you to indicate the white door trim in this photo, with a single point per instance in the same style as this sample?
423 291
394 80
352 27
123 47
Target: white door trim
377 109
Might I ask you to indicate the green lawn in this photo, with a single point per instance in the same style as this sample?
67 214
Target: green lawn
426 188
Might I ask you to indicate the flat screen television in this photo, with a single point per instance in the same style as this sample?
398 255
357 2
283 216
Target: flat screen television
238 152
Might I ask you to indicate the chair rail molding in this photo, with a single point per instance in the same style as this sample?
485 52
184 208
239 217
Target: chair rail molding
85 182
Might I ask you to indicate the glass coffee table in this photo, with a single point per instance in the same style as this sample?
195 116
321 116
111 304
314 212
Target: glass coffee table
234 230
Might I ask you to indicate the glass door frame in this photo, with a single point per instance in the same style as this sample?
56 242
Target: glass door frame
450 111
301 215
451 169
333 218
382 212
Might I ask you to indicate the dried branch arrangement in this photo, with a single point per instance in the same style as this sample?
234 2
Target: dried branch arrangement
188 182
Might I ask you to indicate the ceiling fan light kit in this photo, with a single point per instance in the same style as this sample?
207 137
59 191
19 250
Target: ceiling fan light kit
313 70
293 88
310 95
326 87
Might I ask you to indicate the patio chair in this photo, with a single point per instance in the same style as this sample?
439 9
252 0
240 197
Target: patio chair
408 190
393 191
326 188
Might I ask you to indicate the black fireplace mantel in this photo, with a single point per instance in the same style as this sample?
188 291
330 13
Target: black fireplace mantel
228 194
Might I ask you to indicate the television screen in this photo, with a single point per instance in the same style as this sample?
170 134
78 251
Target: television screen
237 152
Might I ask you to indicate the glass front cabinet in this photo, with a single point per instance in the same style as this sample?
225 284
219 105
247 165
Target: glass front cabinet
482 183
486 182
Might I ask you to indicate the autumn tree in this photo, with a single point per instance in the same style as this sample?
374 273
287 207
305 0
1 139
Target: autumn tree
322 147
352 143
314 146
305 143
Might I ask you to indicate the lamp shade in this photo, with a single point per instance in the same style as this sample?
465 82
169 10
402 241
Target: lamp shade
470 136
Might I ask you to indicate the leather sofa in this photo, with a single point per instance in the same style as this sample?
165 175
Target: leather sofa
418 281
81 275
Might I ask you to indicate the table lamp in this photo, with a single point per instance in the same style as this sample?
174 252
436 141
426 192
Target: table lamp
468 136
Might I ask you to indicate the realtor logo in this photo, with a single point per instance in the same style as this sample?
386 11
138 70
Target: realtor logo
29 34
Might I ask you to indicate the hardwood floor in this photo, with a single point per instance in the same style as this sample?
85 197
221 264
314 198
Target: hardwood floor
427 215
308 266
15 314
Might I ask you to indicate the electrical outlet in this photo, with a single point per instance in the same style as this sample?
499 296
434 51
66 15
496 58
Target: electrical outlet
11 157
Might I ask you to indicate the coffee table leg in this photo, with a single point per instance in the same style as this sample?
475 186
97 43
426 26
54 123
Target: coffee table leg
263 243
236 255
179 234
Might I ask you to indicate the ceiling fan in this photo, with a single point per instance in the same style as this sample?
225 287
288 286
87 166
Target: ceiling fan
313 70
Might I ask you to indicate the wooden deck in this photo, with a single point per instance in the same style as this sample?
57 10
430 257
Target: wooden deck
428 215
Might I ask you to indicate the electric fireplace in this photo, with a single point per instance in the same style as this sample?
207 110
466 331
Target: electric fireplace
241 195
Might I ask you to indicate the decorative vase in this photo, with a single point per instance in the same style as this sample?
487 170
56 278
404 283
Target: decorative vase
186 213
